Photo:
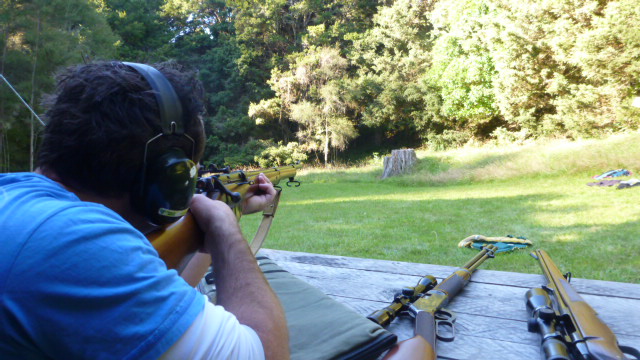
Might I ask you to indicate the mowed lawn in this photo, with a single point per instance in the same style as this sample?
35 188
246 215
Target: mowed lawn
591 231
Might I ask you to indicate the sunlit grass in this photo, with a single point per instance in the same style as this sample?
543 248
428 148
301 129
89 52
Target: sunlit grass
591 231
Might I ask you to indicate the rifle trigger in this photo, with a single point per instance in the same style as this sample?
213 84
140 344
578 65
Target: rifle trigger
568 276
295 182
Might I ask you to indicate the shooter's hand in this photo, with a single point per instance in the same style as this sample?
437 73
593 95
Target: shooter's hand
259 196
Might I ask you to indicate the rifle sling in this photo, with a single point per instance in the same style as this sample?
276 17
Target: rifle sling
267 218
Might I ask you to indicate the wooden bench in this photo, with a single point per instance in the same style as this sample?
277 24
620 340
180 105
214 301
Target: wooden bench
491 315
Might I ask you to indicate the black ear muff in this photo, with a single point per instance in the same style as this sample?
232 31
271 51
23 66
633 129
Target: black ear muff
167 180
170 182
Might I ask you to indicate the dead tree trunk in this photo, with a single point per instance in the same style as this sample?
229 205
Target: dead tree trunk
400 162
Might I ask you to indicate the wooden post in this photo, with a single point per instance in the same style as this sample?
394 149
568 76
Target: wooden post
400 162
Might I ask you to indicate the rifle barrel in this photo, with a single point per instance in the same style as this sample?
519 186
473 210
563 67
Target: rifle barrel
487 251
589 336
456 281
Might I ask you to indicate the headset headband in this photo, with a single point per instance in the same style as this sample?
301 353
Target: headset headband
168 103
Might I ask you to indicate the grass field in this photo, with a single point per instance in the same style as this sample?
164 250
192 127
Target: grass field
537 191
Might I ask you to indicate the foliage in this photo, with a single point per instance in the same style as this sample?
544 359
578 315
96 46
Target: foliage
37 38
462 67
503 137
277 155
224 153
313 96
206 40
448 139
347 77
140 26
555 62
391 57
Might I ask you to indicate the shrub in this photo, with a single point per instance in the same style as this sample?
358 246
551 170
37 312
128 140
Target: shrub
279 154
447 140
503 136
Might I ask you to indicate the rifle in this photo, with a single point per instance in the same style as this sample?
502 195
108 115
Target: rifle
402 300
428 309
569 327
177 241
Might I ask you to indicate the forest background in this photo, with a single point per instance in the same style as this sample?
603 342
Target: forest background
339 80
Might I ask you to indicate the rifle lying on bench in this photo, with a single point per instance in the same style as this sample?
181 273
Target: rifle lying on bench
569 327
426 302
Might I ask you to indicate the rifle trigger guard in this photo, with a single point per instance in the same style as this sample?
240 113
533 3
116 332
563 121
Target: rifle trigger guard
445 318
295 182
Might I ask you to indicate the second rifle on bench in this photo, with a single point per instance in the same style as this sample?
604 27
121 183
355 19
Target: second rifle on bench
426 302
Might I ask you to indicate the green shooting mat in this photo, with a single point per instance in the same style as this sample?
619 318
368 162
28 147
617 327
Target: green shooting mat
320 328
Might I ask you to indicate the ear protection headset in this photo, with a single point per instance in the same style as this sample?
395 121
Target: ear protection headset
167 181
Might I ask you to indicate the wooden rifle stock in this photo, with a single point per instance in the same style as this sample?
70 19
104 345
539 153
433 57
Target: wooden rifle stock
416 348
178 241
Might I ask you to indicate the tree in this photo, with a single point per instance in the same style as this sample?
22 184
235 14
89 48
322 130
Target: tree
462 67
391 58
206 41
556 61
144 35
39 37
312 95
609 56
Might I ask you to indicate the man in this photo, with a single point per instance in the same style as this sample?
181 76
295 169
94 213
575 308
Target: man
78 279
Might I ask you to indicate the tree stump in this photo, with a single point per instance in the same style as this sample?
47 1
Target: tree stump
400 162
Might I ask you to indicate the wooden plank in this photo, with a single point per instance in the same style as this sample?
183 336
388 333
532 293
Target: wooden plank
511 341
501 301
491 322
468 324
475 337
584 286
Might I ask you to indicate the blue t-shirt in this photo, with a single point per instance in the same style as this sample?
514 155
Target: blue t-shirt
79 282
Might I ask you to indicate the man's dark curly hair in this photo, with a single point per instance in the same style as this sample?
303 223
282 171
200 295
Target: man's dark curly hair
100 119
